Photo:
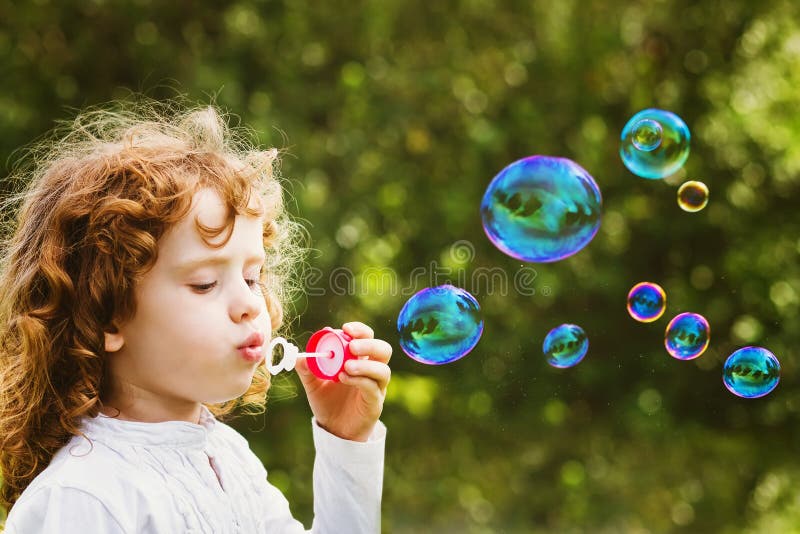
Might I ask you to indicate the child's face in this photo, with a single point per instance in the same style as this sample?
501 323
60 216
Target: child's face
181 347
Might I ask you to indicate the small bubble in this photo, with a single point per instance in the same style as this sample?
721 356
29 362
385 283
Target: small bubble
751 372
655 143
692 196
439 325
646 302
565 346
647 135
687 336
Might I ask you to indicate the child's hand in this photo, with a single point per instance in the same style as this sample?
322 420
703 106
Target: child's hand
350 408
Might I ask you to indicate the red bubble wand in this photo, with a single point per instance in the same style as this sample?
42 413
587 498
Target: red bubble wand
326 351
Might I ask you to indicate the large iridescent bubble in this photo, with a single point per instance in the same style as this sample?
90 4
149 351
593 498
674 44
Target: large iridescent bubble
565 345
655 143
687 336
541 209
646 302
439 325
751 372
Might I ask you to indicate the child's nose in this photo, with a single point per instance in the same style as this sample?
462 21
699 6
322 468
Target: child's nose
246 303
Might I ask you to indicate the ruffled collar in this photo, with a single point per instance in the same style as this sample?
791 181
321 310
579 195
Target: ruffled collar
173 434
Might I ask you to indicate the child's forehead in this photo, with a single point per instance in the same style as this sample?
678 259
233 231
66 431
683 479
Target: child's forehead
209 211
209 208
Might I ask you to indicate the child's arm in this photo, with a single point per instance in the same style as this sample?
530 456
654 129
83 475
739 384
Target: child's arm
348 438
348 482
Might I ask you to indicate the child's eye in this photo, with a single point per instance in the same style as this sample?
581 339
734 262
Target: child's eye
204 287
256 284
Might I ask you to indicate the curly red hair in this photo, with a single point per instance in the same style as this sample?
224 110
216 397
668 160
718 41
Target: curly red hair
99 193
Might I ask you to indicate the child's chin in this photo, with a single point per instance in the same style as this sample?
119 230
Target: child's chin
228 395
233 390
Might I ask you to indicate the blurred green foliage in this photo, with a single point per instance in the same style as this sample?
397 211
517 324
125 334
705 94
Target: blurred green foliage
396 115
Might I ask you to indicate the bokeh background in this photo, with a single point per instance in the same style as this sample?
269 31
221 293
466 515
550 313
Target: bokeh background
395 115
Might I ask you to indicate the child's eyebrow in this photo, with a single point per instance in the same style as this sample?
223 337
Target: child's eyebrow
216 260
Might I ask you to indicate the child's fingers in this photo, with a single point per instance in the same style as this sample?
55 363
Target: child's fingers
375 349
368 387
377 372
356 329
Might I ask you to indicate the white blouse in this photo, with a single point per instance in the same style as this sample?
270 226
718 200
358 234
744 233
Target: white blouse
178 477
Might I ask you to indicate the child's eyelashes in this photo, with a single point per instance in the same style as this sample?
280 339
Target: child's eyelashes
254 284
203 288
257 285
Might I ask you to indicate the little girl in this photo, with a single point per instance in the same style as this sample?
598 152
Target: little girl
147 259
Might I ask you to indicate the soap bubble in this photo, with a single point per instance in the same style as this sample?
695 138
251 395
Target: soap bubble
692 196
655 143
687 336
541 209
647 135
751 372
565 345
646 302
439 325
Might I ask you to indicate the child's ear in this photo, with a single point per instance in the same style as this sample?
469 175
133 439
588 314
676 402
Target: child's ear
114 340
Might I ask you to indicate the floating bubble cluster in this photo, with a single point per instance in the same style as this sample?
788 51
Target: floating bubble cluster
439 325
541 209
655 143
544 209
646 302
687 336
751 372
565 345
692 196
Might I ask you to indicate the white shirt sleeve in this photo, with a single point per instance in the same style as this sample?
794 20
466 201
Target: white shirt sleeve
348 482
61 510
348 487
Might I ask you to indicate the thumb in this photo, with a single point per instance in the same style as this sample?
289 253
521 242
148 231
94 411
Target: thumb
305 374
